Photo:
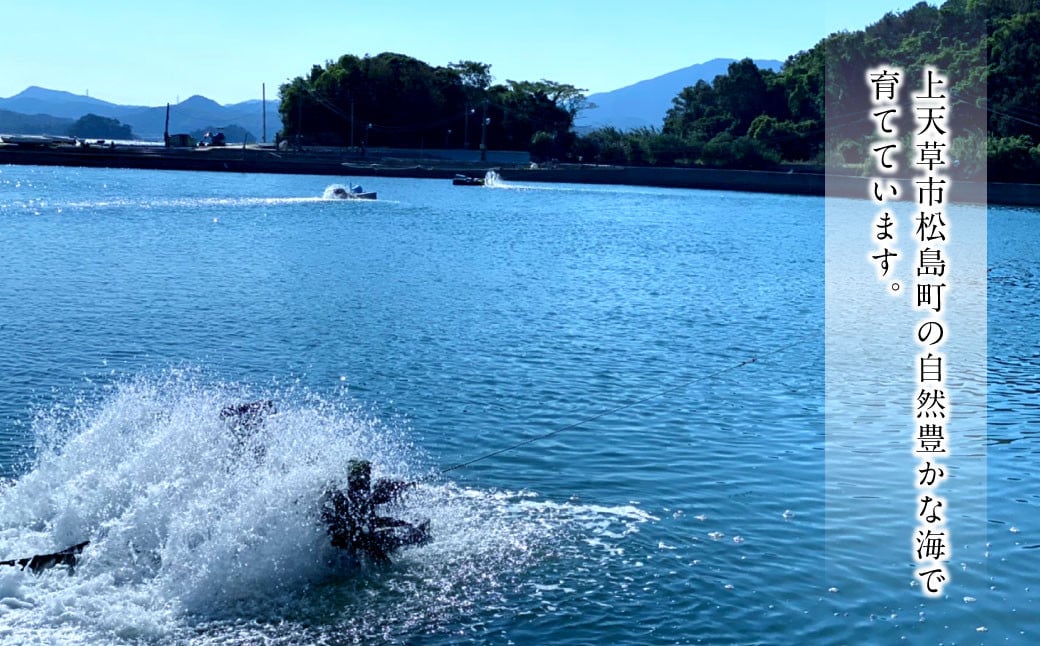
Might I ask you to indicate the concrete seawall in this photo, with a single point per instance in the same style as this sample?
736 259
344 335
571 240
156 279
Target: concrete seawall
259 160
793 183
732 180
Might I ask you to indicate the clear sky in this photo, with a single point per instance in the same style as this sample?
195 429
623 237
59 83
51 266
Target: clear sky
147 52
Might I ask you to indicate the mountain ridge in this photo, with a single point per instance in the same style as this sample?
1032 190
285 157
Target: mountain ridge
638 105
194 113
645 103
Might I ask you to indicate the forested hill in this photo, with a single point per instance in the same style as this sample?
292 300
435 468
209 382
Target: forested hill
747 117
395 100
644 103
754 118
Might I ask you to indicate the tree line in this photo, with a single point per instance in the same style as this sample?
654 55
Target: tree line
754 118
747 118
398 101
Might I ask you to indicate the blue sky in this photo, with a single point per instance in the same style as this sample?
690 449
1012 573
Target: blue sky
147 52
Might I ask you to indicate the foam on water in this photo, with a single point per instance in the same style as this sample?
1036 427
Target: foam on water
42 206
196 539
229 202
493 180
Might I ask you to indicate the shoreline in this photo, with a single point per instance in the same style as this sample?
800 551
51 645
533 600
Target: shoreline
258 159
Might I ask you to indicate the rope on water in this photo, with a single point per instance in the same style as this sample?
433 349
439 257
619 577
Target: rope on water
618 409
39 562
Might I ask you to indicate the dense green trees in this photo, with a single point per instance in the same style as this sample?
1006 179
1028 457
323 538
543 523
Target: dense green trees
395 100
746 118
93 126
982 45
1014 90
750 117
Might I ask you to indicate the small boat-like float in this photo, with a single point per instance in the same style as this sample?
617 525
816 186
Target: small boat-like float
354 192
466 180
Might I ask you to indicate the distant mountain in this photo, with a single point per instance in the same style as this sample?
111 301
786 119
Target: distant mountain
638 105
645 103
38 100
16 123
194 113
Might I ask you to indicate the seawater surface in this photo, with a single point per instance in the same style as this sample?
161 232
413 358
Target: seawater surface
613 398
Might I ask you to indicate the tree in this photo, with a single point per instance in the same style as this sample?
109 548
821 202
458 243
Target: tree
399 101
802 79
473 75
741 93
520 109
695 113
94 126
1014 83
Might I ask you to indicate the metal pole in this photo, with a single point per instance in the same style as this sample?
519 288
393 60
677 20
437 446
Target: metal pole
483 134
299 122
263 99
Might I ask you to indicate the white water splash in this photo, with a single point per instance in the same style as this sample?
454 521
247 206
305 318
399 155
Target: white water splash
493 180
194 539
190 203
333 191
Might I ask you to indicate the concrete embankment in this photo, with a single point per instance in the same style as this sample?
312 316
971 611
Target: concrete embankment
793 183
703 178
267 160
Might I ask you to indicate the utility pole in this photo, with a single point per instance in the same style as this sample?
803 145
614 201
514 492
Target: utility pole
483 133
299 122
465 119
